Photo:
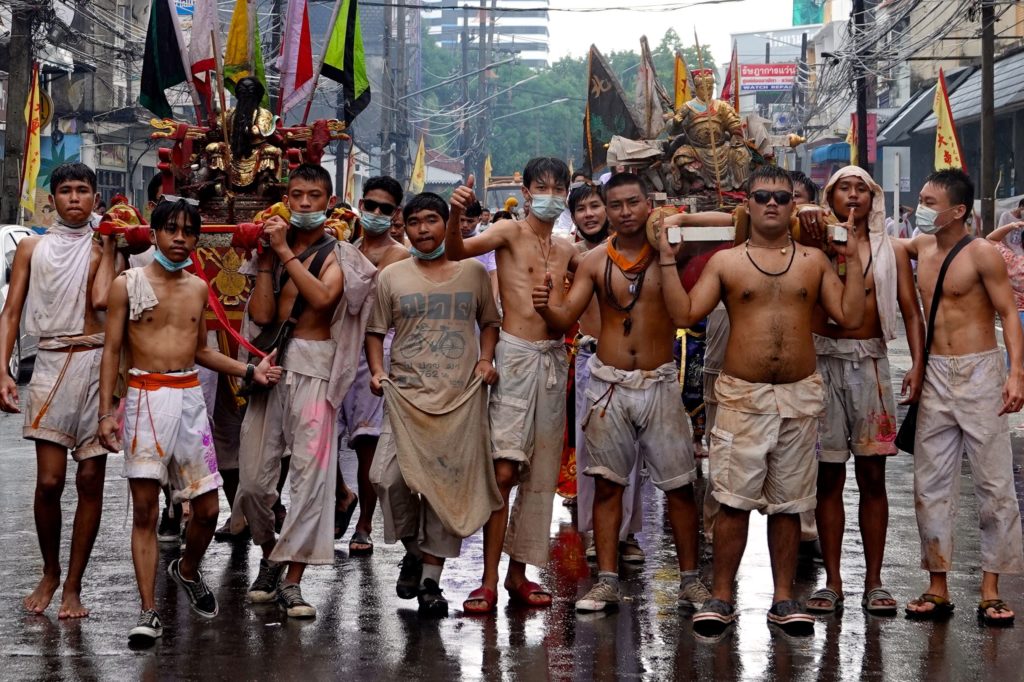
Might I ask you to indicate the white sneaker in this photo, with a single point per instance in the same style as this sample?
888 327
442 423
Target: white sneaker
601 597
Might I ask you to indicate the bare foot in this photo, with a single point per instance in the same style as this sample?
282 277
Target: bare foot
71 606
39 600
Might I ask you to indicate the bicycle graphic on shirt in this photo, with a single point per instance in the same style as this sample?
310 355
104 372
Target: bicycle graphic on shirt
449 343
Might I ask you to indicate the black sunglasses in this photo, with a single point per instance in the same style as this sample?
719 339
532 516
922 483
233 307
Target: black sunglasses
763 196
369 205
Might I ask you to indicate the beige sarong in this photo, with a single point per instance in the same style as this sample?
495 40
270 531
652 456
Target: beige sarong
444 456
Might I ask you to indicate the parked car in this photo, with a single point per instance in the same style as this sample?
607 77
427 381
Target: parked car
25 346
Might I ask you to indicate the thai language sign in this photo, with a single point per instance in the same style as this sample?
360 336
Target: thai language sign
767 77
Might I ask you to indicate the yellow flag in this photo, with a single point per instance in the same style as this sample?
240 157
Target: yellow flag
33 119
487 171
681 78
237 52
947 144
419 170
350 175
851 139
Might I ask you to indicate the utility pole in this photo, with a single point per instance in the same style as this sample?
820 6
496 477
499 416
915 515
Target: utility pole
275 47
859 16
464 142
386 156
400 137
19 73
988 117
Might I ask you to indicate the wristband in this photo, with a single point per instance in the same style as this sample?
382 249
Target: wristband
250 370
289 261
108 415
665 265
266 270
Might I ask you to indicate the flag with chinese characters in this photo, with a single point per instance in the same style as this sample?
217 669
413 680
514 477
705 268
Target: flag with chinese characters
607 112
681 79
419 169
947 144
33 160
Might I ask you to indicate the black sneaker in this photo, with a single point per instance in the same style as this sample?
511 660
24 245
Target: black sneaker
224 534
432 601
202 599
169 530
290 597
410 570
147 629
264 588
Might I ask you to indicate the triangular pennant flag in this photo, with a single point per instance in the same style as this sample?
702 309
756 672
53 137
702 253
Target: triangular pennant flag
419 169
345 61
33 130
731 86
203 46
163 62
651 98
947 142
607 108
296 57
681 80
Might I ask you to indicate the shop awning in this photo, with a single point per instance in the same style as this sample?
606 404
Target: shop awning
831 153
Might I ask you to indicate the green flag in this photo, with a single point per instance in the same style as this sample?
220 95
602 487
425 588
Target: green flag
344 59
162 64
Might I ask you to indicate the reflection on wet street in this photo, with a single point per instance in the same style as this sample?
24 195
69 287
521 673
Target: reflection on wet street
363 631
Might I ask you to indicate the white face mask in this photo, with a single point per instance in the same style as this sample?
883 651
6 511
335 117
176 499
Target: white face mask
926 219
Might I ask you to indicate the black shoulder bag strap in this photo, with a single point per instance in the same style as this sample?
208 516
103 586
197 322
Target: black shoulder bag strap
908 429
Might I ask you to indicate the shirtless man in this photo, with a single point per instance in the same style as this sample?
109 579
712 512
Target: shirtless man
294 416
158 314
61 281
590 217
769 393
633 406
860 411
527 405
961 407
361 412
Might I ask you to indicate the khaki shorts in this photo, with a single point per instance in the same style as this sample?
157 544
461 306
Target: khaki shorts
629 408
67 385
860 410
763 446
167 435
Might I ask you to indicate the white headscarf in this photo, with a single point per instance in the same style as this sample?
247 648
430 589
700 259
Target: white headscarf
883 257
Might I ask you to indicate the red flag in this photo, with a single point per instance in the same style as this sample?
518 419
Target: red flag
731 86
296 57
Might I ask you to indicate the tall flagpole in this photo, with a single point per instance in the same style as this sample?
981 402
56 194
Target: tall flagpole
323 57
714 144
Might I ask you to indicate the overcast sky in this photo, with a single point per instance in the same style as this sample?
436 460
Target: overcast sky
573 32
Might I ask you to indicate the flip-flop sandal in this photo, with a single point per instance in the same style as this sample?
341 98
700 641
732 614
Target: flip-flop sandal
343 517
360 538
943 608
521 595
481 594
834 599
712 619
792 618
877 594
997 605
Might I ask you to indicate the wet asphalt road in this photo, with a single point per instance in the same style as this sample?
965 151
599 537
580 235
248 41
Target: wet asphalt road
363 631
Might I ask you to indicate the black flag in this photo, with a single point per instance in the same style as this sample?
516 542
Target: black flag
607 112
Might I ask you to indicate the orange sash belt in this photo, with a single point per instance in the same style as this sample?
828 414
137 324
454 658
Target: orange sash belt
154 382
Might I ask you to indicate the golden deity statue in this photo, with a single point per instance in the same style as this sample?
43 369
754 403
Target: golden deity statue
710 150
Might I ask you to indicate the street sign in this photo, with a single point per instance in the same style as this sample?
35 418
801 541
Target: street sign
760 77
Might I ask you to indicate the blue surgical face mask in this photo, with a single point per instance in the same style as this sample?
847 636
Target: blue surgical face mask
308 221
433 255
547 207
169 265
375 223
926 220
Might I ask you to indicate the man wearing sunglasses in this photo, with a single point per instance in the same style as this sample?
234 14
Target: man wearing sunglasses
361 411
769 392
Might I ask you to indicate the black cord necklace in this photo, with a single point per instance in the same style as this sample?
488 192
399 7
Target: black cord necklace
792 256
635 287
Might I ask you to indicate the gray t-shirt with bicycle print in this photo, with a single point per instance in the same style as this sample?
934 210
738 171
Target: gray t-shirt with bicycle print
435 347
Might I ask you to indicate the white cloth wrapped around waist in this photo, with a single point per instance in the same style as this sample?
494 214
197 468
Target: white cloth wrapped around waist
854 350
638 379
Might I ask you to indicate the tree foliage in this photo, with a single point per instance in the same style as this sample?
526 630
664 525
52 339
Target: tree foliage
550 129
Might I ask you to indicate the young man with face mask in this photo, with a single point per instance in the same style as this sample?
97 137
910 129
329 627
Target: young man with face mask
527 406
961 406
432 494
60 281
590 218
157 313
300 415
361 411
